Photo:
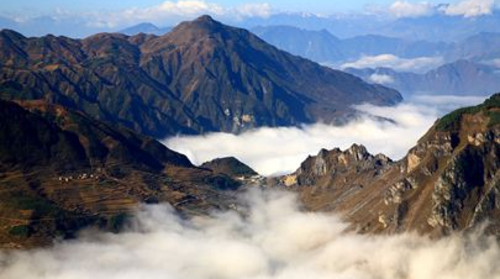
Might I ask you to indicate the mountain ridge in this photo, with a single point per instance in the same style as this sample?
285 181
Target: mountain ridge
462 77
448 182
61 171
202 76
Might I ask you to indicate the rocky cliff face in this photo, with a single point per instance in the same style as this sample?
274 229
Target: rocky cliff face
203 76
449 181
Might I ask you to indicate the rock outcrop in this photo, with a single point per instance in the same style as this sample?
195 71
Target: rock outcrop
449 181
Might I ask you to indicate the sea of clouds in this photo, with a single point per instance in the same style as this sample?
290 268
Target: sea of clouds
274 239
273 151
269 236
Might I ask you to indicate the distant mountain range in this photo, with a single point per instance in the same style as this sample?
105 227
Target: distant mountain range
322 46
433 28
202 76
146 28
470 67
462 77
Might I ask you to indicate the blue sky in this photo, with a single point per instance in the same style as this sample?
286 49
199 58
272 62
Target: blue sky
46 7
84 17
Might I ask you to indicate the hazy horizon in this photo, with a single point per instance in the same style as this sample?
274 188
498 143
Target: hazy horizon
80 19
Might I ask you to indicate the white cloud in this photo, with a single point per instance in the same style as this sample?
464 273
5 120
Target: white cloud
274 241
180 10
470 8
419 64
381 79
187 8
407 9
494 63
165 10
263 10
281 150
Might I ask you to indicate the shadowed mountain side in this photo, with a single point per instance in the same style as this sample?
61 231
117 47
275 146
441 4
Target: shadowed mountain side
60 170
202 76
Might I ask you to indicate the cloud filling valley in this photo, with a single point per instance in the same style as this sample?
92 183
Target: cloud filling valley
274 239
281 150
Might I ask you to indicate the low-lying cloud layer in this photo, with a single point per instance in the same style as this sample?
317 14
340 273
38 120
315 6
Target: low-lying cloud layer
381 79
417 65
281 150
274 240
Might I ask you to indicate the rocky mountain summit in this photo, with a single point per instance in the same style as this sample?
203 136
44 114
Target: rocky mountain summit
202 76
449 181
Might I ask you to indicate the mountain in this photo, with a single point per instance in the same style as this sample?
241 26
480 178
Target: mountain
230 166
372 45
202 76
450 181
322 46
61 170
461 77
319 46
481 47
146 28
437 27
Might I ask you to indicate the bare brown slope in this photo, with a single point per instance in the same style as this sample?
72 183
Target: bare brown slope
202 76
449 181
61 170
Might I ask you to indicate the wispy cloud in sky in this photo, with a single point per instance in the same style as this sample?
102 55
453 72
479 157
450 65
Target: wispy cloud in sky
408 9
470 8
182 9
465 8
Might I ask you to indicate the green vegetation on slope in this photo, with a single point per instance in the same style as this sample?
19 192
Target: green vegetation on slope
452 120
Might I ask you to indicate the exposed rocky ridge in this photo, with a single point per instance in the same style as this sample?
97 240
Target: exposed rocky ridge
61 170
203 76
449 181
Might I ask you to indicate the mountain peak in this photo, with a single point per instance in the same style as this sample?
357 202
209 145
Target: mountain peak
11 34
199 28
204 22
205 19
